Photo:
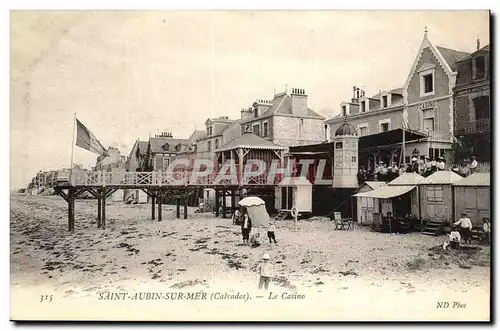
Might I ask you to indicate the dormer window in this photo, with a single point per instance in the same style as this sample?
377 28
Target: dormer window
384 101
216 143
256 112
479 68
344 110
363 106
427 85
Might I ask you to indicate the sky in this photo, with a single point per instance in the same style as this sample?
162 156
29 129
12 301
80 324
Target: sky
130 74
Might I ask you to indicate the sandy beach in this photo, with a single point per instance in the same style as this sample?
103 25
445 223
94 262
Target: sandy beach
319 273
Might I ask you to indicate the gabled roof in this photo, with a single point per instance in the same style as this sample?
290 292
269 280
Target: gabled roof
219 120
477 179
141 145
282 104
197 134
451 56
442 177
407 178
158 144
249 140
482 50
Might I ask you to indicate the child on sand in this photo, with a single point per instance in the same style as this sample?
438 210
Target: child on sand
266 271
271 228
454 239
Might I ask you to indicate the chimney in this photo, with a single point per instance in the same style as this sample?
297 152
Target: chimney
246 114
357 93
299 102
478 44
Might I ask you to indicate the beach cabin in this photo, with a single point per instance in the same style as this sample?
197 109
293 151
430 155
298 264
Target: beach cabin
118 196
400 196
436 199
294 191
472 195
367 206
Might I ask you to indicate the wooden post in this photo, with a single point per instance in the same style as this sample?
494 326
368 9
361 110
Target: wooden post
153 203
240 166
160 200
103 214
185 208
177 207
224 203
99 209
71 209
217 196
233 200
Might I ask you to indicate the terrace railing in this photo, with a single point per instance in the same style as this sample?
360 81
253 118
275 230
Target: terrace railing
178 178
473 127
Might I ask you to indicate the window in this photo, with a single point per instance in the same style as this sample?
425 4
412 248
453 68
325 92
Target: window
256 129
338 145
384 125
216 143
209 146
428 119
353 159
384 101
480 67
165 163
482 107
344 111
256 112
247 128
363 129
428 84
265 129
363 106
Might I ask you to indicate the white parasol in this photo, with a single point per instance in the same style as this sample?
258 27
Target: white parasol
251 202
256 208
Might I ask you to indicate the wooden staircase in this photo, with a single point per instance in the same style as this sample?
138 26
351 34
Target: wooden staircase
433 228
281 215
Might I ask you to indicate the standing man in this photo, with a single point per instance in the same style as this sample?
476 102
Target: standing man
465 228
440 164
246 226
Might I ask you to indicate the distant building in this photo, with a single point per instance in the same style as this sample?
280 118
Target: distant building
137 157
218 132
162 150
472 105
286 120
424 104
112 161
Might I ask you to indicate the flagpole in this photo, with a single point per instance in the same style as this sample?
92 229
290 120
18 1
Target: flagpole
72 146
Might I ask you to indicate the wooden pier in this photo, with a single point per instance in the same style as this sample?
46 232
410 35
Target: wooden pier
158 186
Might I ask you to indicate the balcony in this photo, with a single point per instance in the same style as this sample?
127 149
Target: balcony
438 135
474 127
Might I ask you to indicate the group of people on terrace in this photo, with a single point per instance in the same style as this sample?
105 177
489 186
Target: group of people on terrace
425 167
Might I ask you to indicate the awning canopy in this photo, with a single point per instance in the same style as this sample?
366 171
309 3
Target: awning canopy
386 192
388 138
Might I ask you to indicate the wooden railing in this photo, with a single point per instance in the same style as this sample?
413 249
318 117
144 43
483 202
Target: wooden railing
471 127
181 178
481 167
439 135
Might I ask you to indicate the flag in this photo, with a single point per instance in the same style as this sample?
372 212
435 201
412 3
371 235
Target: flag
86 139
406 124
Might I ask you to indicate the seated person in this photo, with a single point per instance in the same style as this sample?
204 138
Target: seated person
454 239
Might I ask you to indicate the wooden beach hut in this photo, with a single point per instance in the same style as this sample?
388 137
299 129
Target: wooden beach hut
400 196
294 191
472 195
367 206
436 198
